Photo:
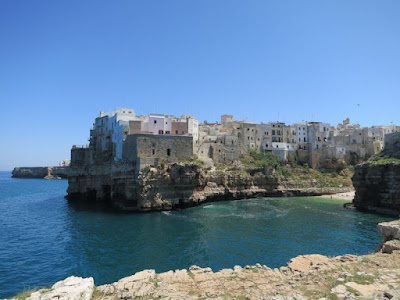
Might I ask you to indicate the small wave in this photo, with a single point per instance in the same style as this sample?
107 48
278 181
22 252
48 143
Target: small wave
168 213
281 213
209 206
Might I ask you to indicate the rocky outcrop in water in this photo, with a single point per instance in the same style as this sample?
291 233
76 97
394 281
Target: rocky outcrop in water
377 187
373 276
377 182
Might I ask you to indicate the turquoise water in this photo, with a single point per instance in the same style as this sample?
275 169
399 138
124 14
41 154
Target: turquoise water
44 239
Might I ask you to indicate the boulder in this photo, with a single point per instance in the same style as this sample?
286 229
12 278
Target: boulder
72 288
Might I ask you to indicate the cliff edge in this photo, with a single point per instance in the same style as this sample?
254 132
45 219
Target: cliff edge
377 182
180 185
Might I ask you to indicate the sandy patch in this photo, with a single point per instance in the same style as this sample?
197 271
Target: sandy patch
343 196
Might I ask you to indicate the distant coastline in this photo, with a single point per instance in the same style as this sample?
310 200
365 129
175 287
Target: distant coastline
59 172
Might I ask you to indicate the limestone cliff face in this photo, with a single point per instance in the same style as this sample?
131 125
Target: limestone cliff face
41 172
177 186
377 186
377 182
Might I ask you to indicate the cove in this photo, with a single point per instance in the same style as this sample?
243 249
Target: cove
44 239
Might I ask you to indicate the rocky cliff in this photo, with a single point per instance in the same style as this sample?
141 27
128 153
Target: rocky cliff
377 187
373 276
180 185
377 182
41 172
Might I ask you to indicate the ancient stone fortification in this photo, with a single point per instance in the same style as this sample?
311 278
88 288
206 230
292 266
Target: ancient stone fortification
41 172
373 276
377 182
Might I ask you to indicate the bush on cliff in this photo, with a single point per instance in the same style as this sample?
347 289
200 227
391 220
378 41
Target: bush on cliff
259 159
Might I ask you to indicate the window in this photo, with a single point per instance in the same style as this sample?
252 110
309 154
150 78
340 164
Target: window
154 151
161 132
304 141
183 132
176 132
153 145
273 132
155 121
168 152
167 132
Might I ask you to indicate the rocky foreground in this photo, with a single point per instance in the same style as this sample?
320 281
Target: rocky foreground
373 276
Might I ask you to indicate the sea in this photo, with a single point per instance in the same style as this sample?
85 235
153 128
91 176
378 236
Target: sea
44 238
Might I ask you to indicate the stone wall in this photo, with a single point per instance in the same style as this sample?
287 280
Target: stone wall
80 156
392 145
164 148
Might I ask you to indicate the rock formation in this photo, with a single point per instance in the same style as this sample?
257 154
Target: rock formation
377 182
179 185
373 276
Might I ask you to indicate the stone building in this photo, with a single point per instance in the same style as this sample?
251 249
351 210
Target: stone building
149 149
277 130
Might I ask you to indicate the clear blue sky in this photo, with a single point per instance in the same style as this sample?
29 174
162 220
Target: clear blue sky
61 62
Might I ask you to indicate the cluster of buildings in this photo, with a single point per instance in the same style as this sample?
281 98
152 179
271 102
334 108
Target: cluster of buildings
314 143
122 135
